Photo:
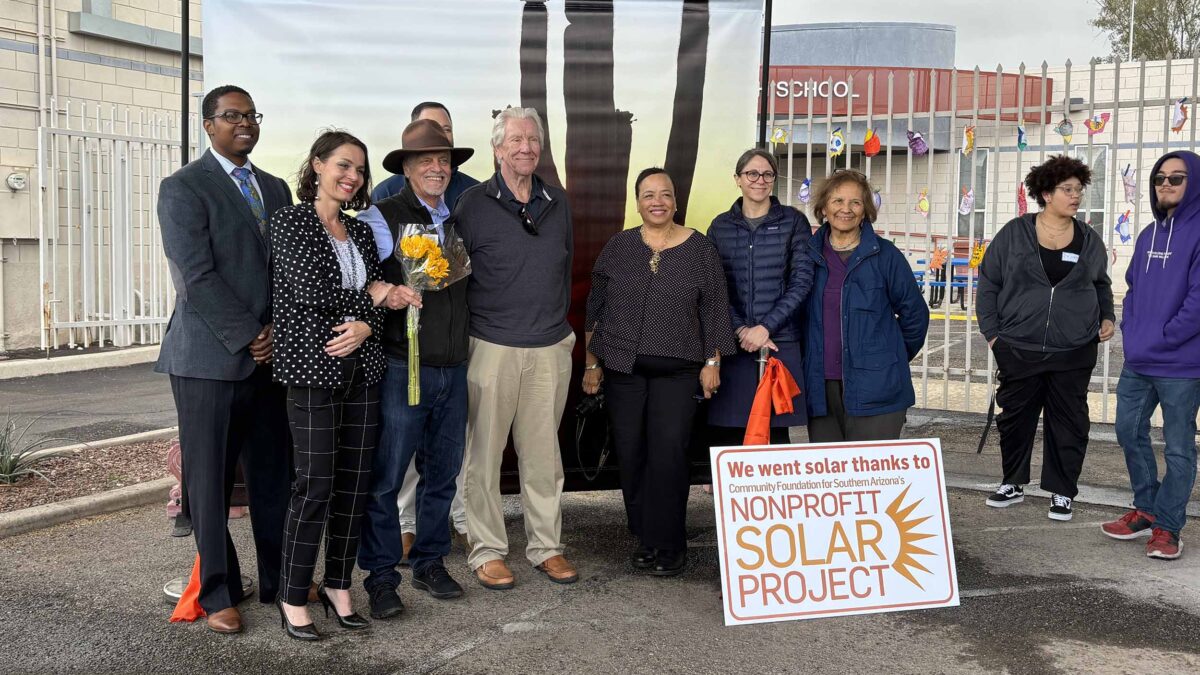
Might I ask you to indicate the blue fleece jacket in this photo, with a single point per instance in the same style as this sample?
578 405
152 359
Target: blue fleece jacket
1161 322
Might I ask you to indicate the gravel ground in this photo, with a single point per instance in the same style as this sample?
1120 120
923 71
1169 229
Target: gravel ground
88 472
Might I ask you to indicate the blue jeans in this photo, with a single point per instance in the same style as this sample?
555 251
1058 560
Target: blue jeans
1137 396
435 431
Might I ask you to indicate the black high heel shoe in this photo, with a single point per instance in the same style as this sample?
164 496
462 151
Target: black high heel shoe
352 621
307 633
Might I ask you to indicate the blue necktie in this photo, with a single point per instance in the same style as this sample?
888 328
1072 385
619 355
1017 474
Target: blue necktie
242 174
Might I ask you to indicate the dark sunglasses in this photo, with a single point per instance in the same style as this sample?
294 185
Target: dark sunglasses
527 221
1174 179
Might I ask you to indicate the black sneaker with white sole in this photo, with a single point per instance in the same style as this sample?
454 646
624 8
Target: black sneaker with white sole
1060 508
1006 495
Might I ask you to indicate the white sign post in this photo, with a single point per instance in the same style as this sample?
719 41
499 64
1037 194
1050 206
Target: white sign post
818 530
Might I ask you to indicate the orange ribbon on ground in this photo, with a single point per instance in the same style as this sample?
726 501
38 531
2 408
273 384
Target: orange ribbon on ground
188 608
776 390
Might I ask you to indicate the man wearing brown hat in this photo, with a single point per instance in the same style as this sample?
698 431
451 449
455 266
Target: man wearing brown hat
434 431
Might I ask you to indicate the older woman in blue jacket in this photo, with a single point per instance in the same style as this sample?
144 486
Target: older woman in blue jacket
764 250
864 320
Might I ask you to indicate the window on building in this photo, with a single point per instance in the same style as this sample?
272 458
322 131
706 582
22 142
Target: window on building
971 225
1092 208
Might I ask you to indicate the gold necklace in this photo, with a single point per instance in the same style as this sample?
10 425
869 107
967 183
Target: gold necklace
847 247
656 255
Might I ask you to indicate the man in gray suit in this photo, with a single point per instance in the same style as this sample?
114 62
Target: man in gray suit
214 214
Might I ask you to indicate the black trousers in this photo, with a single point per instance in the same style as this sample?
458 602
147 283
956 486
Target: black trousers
219 423
723 436
334 431
651 413
1060 399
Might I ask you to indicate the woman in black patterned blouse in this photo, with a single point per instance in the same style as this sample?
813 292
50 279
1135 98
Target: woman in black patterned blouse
327 290
657 326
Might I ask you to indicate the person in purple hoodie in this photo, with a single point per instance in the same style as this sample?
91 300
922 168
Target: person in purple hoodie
1161 329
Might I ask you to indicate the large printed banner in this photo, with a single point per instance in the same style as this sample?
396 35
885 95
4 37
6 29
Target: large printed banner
808 531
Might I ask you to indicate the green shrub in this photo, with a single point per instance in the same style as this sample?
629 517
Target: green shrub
20 458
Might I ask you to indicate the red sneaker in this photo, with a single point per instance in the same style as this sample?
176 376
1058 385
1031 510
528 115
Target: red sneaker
1163 544
1130 526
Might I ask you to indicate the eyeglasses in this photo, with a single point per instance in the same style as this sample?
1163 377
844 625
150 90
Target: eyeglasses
236 117
1071 190
527 221
754 176
1175 179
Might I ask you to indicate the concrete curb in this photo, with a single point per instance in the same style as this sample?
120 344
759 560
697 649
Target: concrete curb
1096 495
16 368
141 437
48 515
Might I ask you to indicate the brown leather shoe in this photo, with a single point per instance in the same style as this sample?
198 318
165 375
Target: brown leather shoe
494 574
559 570
406 541
228 620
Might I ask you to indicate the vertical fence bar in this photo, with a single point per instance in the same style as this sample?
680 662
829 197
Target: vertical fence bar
1167 101
968 290
951 223
1042 121
791 144
1112 171
928 217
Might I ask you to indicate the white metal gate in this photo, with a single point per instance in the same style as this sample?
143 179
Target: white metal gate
104 279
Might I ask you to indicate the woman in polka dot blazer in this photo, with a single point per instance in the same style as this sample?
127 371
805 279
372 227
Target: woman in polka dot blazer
327 293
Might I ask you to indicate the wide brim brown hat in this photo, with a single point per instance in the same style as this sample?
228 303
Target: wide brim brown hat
420 137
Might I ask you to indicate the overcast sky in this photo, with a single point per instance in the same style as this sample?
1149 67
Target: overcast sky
988 33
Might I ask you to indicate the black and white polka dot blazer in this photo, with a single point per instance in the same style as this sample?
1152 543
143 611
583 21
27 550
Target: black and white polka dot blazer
308 299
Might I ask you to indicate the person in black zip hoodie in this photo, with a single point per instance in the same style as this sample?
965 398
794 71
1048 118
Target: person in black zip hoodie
1044 303
435 430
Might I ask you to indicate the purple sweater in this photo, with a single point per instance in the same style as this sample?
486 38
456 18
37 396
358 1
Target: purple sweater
831 312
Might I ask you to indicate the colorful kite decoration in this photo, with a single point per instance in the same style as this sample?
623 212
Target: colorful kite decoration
878 199
1021 143
1097 123
968 141
1130 182
938 260
805 192
967 203
923 202
1022 204
916 143
780 135
1179 114
837 143
1122 228
871 144
1065 129
977 254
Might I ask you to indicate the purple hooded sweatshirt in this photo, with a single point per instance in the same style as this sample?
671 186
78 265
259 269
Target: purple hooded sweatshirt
1161 322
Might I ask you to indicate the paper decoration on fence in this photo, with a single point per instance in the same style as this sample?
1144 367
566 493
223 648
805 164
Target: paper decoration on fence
837 143
805 191
871 143
1022 204
1179 114
878 199
1021 144
1130 182
923 202
1122 228
1065 129
780 135
1096 123
916 143
938 260
967 203
977 253
968 141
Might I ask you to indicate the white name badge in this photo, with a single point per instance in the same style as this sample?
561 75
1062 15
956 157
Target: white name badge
1070 257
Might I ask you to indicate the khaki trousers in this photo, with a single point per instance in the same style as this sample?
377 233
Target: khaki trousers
525 390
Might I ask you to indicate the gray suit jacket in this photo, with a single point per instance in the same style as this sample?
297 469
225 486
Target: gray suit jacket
220 265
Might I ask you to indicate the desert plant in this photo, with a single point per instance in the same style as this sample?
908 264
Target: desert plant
19 457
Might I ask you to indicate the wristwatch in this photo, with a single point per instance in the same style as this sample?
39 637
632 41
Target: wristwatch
713 362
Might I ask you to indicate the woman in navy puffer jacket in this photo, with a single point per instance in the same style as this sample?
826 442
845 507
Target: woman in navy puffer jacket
763 247
864 321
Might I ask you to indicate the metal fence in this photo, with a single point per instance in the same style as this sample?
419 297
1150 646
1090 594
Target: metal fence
1117 117
104 278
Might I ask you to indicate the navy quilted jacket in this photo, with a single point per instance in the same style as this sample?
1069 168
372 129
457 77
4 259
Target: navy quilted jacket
768 270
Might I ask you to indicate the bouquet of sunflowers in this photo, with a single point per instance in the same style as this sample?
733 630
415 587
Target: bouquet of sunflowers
430 263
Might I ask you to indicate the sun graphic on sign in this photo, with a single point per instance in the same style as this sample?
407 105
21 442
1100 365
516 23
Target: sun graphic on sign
905 561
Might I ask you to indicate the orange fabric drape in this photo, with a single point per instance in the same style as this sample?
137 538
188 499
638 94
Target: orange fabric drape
188 608
775 391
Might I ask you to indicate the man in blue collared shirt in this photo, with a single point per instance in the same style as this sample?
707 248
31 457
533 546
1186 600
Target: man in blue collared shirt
430 433
459 181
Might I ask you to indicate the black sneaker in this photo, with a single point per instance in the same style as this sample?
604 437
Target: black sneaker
435 580
385 601
1060 508
1006 495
